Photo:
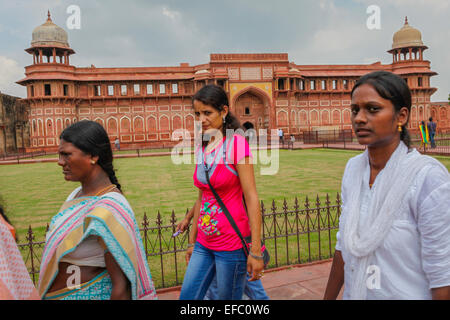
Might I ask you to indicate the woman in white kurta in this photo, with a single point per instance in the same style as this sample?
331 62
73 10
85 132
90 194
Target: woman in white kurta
394 230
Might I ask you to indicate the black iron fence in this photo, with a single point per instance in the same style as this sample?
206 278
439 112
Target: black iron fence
337 138
329 136
442 146
302 232
23 155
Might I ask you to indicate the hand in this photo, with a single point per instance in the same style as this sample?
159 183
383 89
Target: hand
255 268
182 226
189 254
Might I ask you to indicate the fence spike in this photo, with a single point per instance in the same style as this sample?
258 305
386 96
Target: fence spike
158 219
30 235
327 202
173 219
145 222
285 206
317 201
274 207
263 209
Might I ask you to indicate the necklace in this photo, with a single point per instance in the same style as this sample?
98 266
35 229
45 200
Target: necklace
108 188
104 190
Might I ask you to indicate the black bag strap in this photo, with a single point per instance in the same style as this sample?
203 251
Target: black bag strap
227 213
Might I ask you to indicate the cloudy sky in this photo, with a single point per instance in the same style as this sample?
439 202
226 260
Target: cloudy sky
167 32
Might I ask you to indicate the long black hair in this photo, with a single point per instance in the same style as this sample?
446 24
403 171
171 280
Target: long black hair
91 138
217 98
393 88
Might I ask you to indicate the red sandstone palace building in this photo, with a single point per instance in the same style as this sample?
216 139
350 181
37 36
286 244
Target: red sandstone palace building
142 106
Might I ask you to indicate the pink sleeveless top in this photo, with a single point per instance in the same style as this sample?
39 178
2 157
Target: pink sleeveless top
214 230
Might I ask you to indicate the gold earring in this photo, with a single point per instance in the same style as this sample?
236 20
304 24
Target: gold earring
399 127
92 162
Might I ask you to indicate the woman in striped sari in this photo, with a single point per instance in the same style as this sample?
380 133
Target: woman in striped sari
424 136
93 248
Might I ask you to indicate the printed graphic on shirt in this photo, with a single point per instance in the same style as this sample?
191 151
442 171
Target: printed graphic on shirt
208 219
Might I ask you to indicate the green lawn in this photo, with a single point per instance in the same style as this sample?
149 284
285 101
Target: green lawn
33 193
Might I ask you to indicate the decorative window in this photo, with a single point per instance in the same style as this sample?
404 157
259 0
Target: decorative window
345 84
47 89
123 89
97 91
110 90
149 89
137 89
162 88
312 85
174 87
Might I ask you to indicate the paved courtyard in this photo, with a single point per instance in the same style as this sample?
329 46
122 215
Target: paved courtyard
299 282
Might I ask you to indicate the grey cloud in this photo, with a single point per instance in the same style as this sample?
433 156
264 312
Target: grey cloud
138 33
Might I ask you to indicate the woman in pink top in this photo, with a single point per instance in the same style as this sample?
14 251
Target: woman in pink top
215 249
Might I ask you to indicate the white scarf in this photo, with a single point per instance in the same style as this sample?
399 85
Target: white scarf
389 192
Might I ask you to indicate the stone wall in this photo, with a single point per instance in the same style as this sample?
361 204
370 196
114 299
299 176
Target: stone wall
14 125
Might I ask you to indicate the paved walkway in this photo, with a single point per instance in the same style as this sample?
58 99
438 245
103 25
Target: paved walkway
299 282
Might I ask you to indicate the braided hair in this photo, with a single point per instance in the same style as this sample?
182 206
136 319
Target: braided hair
91 138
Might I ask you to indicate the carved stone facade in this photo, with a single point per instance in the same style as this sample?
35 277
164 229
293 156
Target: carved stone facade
142 106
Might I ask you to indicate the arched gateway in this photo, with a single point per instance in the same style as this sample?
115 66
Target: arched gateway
251 106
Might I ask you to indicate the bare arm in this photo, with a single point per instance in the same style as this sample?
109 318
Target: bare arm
247 180
442 293
187 219
193 233
336 278
121 288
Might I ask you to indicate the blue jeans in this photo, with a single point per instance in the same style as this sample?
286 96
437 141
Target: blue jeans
253 290
229 268
433 143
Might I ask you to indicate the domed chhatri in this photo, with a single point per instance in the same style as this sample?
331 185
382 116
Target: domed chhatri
49 34
49 42
407 44
407 36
